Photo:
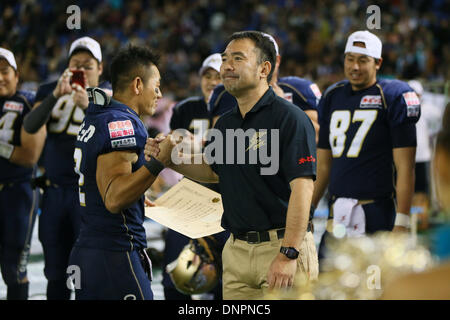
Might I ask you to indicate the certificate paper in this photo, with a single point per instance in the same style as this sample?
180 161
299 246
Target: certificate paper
188 208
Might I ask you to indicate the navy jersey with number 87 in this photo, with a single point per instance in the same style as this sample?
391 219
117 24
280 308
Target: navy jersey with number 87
361 128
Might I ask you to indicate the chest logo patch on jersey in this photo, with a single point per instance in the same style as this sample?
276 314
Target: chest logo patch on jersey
412 103
13 106
119 129
371 102
288 96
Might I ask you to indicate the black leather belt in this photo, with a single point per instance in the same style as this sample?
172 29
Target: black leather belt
254 237
43 183
2 185
10 184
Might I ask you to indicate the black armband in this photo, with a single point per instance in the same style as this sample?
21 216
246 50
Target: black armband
39 116
154 166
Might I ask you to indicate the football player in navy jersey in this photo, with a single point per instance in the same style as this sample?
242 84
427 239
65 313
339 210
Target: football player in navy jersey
59 109
301 92
19 152
192 114
367 136
113 177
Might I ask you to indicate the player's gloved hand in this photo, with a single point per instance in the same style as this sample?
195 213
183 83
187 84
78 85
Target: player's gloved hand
63 86
80 97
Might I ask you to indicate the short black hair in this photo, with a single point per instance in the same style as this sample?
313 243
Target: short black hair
263 43
130 62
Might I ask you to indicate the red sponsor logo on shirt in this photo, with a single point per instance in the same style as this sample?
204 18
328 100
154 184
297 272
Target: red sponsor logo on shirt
411 98
371 100
307 159
119 129
288 96
13 106
315 89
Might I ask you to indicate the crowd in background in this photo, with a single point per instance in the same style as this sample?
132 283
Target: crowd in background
311 35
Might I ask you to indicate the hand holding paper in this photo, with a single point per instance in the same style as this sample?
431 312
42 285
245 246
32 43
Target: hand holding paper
189 208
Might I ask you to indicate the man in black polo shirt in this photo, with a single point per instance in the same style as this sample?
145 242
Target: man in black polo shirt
266 201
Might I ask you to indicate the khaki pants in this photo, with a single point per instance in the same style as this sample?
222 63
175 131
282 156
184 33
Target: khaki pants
245 265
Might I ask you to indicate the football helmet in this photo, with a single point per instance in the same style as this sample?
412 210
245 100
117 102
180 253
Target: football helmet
197 268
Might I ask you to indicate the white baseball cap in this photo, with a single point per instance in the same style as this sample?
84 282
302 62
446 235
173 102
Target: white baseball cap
213 61
277 50
89 44
8 56
371 41
416 86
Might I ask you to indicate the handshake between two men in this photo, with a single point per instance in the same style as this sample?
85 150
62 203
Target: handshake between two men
181 152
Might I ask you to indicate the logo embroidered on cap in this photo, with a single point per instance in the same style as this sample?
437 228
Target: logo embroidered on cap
13 106
118 129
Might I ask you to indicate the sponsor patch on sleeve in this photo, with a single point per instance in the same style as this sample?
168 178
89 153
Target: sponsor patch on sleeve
126 142
307 159
119 129
13 106
315 89
412 103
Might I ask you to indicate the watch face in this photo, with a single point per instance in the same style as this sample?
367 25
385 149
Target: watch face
291 253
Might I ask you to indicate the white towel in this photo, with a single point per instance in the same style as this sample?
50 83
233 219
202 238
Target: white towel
350 214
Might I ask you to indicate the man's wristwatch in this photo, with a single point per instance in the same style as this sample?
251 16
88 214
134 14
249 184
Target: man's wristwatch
289 252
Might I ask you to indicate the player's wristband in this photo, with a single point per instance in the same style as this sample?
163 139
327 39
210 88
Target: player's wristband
402 220
39 116
6 150
154 166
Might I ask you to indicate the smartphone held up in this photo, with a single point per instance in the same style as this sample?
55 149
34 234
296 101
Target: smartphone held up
78 78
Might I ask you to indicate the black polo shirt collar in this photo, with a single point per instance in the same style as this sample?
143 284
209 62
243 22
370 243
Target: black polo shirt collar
264 101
